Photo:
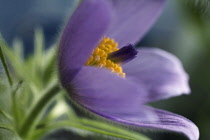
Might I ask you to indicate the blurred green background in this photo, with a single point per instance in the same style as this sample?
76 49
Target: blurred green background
183 29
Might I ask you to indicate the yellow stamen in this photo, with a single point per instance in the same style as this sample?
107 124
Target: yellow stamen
99 56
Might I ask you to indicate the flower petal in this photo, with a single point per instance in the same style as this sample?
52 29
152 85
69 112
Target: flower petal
100 90
133 18
83 31
161 73
165 121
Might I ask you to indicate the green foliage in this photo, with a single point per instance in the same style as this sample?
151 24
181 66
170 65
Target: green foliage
201 7
32 103
4 64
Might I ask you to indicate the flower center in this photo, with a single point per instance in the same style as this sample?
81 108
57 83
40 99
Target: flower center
108 55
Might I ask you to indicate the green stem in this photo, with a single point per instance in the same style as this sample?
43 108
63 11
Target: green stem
30 121
63 124
5 67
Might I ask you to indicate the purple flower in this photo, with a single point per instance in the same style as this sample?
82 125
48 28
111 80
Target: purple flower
93 70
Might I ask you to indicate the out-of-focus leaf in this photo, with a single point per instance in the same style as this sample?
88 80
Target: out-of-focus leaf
6 129
201 7
38 46
195 30
7 133
6 116
6 126
4 120
5 99
4 104
3 83
4 64
49 66
37 70
37 59
16 106
18 48
14 60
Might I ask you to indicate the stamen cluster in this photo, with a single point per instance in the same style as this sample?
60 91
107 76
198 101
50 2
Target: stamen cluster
99 56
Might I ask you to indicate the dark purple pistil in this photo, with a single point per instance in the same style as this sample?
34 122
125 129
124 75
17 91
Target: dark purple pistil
124 54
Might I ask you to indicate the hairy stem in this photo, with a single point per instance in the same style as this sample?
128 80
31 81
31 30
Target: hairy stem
31 119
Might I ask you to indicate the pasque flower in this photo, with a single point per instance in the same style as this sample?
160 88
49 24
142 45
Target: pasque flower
94 51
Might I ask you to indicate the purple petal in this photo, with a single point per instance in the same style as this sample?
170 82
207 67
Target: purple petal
161 73
165 121
100 90
174 122
133 18
83 31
